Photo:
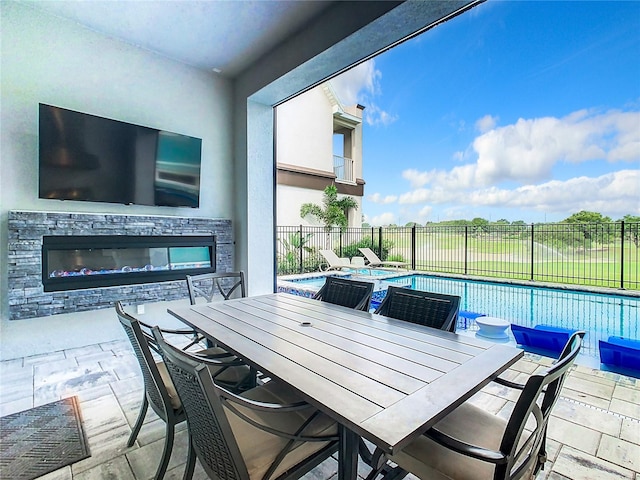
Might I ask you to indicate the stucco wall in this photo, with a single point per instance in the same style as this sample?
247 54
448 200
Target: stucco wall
305 131
51 60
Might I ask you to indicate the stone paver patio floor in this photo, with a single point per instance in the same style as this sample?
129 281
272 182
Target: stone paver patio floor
594 432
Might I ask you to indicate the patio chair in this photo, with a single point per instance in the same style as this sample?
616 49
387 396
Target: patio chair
346 292
228 284
374 260
472 444
266 433
159 391
433 310
336 263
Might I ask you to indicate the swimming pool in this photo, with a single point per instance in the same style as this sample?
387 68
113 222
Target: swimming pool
600 315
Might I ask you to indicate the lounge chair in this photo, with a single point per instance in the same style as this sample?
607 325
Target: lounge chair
620 352
543 339
336 263
374 260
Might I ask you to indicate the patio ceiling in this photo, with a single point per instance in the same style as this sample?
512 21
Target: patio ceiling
220 36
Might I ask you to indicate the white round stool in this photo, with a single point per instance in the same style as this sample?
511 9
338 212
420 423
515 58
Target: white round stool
492 327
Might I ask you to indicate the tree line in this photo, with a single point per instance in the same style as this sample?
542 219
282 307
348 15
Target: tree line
580 217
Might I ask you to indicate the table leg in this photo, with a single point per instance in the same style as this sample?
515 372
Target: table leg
347 454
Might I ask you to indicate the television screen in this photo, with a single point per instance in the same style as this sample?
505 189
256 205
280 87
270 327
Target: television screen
89 158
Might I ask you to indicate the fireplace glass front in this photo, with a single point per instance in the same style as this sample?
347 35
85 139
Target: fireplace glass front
72 262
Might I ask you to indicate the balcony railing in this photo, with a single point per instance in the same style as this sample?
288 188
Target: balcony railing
598 254
343 168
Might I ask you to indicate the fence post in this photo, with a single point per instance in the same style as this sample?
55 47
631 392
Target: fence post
532 245
413 247
372 234
300 253
380 242
340 242
466 247
622 254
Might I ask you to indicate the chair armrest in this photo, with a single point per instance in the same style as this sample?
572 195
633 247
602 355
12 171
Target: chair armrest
177 331
508 383
230 400
231 397
473 451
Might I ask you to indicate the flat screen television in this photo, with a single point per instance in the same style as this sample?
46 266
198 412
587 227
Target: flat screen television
89 158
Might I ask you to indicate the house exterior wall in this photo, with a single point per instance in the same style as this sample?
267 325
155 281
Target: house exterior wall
46 59
305 131
304 155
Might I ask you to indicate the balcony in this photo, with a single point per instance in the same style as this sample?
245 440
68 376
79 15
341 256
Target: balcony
343 169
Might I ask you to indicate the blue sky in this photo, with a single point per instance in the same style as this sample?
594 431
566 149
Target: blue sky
514 110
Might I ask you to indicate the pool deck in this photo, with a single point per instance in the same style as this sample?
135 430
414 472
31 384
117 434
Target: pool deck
594 431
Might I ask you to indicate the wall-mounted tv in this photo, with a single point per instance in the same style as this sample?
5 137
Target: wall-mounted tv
89 158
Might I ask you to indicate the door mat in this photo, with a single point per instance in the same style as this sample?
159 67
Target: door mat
42 439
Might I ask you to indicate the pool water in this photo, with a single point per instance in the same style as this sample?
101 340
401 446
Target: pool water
372 272
600 315
310 282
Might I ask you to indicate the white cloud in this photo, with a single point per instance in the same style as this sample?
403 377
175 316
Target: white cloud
383 219
527 151
486 123
425 214
373 115
377 198
615 194
361 79
361 84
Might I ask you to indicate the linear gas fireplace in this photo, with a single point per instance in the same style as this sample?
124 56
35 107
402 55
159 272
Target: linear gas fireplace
78 262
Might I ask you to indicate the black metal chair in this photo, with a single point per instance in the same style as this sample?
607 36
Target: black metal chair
228 284
159 391
471 444
266 433
346 292
566 351
424 308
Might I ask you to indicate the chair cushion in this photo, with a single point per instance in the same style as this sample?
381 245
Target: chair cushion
231 375
624 342
168 383
260 448
621 352
428 460
545 338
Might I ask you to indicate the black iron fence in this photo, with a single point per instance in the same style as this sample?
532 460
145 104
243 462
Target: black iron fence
588 254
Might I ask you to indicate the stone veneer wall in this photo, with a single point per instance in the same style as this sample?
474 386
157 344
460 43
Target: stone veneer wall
27 299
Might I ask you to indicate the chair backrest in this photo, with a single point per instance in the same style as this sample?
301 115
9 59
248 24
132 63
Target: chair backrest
205 286
540 393
433 310
143 343
370 255
332 258
209 428
346 292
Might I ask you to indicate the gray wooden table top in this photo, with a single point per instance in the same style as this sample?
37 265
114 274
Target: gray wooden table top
385 379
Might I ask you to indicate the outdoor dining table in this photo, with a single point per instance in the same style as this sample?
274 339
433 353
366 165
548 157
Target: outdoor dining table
381 379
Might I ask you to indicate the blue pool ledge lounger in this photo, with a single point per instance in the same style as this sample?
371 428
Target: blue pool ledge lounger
542 338
620 352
